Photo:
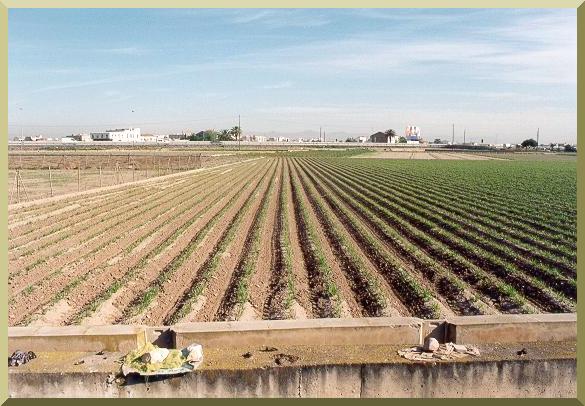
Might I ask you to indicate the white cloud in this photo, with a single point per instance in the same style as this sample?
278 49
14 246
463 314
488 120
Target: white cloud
280 18
127 51
280 85
248 17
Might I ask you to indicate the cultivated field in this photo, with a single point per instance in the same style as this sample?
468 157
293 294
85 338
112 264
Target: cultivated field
302 237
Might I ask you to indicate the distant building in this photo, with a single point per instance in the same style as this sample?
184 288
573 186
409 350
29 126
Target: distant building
68 139
362 139
381 137
34 138
182 136
80 137
119 135
412 133
155 138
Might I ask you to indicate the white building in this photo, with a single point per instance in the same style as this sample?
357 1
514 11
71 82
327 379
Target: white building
76 138
68 139
119 135
155 138
362 139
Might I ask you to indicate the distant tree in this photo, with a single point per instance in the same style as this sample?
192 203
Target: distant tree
570 148
437 141
224 135
530 143
350 139
235 132
402 140
207 135
390 132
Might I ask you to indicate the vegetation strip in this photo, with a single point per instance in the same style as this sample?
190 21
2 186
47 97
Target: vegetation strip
534 289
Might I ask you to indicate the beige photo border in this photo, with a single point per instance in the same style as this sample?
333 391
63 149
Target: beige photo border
5 5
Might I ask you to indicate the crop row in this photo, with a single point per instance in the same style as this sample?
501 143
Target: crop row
395 213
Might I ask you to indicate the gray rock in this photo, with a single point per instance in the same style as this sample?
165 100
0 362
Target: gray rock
431 344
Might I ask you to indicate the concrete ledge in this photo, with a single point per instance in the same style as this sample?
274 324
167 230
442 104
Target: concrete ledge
501 379
358 331
512 328
380 330
76 338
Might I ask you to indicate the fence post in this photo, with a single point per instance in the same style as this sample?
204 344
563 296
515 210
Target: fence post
17 185
51 180
100 174
133 172
79 176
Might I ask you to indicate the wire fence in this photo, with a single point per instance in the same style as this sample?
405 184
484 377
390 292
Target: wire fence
38 176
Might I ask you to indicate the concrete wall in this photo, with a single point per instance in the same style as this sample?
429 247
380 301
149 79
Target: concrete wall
533 378
76 338
382 330
511 328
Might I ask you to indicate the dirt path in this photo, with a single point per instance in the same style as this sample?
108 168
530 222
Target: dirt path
100 258
181 279
165 226
395 307
216 288
82 246
260 280
303 295
350 307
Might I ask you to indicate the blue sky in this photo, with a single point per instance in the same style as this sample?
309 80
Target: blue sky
498 73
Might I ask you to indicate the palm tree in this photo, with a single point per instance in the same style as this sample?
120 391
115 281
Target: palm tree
236 132
390 133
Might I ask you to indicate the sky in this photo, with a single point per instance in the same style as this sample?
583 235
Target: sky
498 74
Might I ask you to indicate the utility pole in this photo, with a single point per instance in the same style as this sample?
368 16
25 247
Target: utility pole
239 132
537 137
464 130
453 136
320 134
323 136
